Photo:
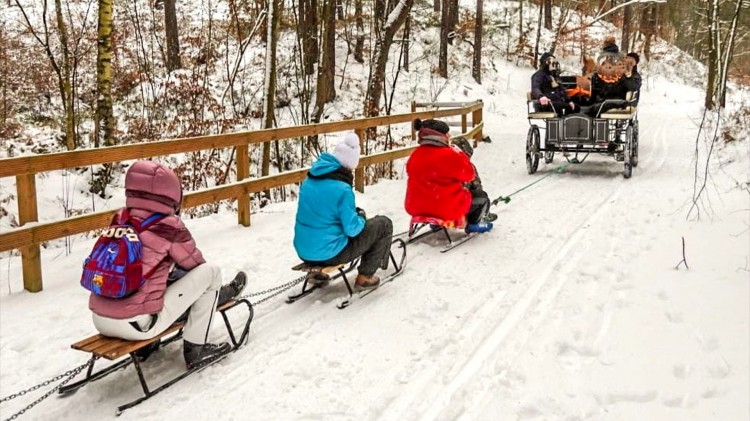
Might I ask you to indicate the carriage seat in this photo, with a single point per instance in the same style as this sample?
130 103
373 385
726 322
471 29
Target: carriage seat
626 113
536 114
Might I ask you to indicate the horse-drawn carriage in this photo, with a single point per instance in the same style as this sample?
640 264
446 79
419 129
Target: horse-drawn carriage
613 132
606 122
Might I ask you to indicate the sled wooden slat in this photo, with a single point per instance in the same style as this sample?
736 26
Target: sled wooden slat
114 348
304 267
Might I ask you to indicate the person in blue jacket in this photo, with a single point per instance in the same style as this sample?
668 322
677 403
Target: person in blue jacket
329 229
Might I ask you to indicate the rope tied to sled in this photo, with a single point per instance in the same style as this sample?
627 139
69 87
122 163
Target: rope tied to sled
505 199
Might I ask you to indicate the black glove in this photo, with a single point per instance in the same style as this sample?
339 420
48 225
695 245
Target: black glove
361 212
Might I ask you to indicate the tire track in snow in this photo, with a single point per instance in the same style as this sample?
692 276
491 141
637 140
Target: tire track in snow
428 394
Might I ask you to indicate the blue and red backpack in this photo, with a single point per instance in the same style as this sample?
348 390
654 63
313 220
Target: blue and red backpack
114 268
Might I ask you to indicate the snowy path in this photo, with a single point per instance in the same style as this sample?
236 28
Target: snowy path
568 310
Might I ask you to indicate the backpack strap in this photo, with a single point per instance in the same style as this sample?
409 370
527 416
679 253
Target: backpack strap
151 220
142 225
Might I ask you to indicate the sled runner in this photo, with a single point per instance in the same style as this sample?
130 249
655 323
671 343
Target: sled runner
437 225
318 276
114 349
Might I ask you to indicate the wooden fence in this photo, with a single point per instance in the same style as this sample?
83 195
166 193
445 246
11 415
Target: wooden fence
30 235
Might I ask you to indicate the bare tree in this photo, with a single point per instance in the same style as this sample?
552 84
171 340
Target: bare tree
359 44
476 66
445 31
627 16
273 17
547 5
172 35
62 68
380 57
308 22
104 132
326 90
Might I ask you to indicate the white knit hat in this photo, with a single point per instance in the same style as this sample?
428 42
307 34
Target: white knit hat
347 151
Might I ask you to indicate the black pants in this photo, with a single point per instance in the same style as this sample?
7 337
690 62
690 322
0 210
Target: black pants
561 108
480 205
373 244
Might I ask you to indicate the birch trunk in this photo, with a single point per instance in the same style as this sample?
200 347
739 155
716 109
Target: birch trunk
105 121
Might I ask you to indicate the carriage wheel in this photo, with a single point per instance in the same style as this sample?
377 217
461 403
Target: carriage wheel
532 149
634 160
629 150
549 156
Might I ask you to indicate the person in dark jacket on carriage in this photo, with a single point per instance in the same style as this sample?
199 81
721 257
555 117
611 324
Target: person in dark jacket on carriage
168 248
329 229
438 176
547 89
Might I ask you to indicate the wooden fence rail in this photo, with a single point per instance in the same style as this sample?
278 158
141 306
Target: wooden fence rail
31 234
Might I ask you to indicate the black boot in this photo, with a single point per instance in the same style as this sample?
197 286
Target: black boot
142 354
196 354
233 289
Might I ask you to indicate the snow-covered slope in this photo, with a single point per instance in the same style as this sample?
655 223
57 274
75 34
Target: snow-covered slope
570 309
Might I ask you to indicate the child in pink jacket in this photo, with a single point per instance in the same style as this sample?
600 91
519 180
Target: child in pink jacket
168 248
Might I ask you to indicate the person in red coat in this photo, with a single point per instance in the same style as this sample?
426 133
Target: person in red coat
438 176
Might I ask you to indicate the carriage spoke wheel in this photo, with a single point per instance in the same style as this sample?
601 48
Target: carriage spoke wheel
634 160
532 149
629 148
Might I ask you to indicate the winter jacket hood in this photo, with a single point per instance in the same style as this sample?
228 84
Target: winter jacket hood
326 212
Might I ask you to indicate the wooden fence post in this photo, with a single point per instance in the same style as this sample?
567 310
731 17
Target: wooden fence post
243 172
359 173
27 212
464 124
476 118
413 110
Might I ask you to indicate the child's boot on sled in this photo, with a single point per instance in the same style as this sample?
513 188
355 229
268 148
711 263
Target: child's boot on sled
196 354
233 289
479 227
367 282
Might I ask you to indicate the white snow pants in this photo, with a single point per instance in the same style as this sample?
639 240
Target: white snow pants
197 290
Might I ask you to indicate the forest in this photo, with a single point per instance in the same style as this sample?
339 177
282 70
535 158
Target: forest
101 73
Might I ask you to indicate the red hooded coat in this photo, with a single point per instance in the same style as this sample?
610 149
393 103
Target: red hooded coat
436 182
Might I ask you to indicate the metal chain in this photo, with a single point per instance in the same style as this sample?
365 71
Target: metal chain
70 374
276 291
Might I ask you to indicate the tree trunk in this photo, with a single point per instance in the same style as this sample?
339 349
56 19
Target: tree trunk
520 19
67 90
538 36
444 31
325 89
105 121
380 57
713 53
728 54
547 14
476 67
269 91
407 42
172 35
627 16
359 45
452 19
308 32
649 28
436 5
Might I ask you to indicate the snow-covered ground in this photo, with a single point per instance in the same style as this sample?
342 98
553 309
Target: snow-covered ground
570 309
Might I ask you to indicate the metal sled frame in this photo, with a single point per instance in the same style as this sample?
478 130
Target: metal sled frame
308 288
113 349
419 222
